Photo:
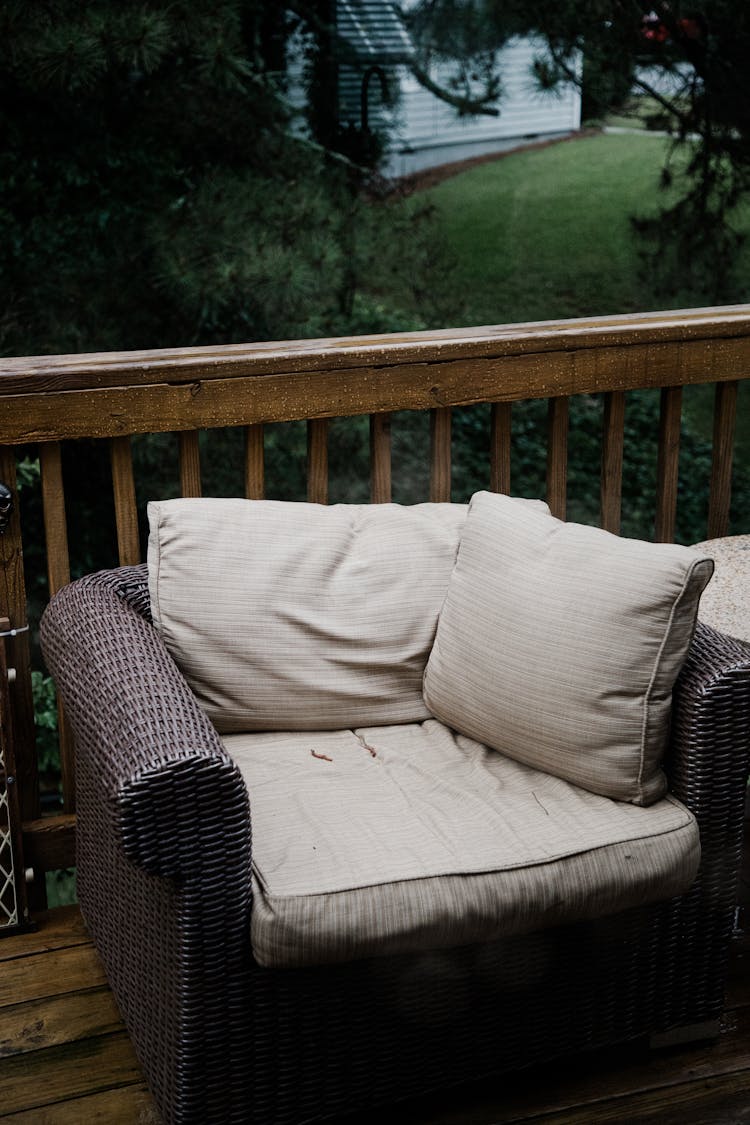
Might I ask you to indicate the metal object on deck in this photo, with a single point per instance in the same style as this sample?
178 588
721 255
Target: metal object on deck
13 910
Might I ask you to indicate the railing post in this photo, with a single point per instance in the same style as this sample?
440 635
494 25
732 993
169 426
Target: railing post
440 455
500 437
557 456
317 460
668 464
380 458
720 497
190 463
613 428
126 511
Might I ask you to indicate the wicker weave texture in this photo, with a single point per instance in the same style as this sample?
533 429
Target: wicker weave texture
164 855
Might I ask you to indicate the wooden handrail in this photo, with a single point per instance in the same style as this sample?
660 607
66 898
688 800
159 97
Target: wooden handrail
101 369
49 398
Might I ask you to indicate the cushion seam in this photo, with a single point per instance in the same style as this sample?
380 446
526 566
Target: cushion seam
157 619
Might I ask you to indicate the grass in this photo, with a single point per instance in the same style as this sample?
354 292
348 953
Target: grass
546 233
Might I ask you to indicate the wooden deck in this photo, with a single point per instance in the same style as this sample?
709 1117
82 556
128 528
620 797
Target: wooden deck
65 1058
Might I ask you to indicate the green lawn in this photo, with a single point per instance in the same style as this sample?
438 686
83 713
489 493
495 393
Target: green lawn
546 233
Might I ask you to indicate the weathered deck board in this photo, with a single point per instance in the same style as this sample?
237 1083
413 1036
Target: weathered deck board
50 1021
126 1104
52 973
68 1070
58 929
65 1058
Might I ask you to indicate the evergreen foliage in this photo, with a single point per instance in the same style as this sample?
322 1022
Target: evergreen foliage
157 189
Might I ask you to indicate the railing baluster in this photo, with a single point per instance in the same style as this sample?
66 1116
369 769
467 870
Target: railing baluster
58 575
667 465
725 415
500 420
557 456
126 512
440 455
190 463
612 446
317 461
380 458
255 485
55 526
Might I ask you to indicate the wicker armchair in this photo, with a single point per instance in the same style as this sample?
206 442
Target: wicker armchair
164 861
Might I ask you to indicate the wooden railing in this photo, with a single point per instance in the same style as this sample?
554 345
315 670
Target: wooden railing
49 400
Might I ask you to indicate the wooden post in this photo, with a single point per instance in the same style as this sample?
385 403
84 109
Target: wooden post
667 466
126 512
725 415
612 450
190 463
500 434
380 458
440 455
557 456
317 461
254 463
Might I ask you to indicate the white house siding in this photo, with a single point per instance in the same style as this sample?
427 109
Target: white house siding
426 131
430 132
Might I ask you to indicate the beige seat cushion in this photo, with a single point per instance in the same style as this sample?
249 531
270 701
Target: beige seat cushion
383 840
299 616
559 645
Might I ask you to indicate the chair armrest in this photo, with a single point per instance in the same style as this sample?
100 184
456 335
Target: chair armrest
709 755
709 752
163 846
156 762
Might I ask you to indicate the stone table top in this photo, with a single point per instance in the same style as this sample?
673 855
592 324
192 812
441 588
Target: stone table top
725 603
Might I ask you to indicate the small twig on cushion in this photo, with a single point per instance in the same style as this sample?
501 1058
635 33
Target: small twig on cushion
323 757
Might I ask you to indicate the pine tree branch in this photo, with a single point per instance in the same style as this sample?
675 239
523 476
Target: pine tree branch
464 105
663 102
577 79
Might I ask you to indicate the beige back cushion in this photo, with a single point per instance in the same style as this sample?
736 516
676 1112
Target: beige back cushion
559 645
299 616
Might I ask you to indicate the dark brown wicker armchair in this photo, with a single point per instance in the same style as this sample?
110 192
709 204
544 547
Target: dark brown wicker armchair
164 855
